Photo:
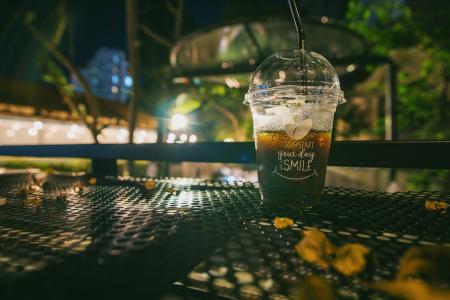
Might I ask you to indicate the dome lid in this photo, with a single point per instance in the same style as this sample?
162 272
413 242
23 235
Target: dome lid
294 74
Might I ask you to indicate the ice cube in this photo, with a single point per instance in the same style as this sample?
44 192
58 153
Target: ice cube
277 111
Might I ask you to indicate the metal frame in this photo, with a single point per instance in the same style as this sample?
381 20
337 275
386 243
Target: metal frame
246 21
244 68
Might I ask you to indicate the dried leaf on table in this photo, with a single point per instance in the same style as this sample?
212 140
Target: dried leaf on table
282 223
315 248
412 290
312 288
171 190
33 188
430 261
351 259
39 178
436 205
78 187
33 201
150 184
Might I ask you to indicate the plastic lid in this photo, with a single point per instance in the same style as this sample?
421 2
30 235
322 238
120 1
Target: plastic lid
293 76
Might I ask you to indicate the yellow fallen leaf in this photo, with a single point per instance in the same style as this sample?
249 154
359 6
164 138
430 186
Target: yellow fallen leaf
282 223
150 184
425 260
3 201
412 290
312 288
77 186
170 190
350 259
92 181
436 205
315 248
34 188
33 201
39 178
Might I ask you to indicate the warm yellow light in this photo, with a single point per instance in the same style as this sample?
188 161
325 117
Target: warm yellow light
183 137
32 131
192 138
38 125
178 121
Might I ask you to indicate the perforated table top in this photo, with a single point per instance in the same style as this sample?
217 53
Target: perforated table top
63 237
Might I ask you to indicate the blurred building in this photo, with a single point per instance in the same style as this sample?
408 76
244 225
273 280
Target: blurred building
107 74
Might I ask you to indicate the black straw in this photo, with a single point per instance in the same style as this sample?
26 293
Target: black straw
298 24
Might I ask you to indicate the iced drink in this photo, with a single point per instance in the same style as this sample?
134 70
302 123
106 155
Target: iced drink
293 96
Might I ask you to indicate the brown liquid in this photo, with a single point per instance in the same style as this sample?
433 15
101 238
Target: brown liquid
291 172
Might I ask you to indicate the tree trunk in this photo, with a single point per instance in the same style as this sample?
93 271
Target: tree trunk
179 20
133 54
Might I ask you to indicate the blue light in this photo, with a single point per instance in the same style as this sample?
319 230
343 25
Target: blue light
128 81
106 72
115 79
196 81
229 178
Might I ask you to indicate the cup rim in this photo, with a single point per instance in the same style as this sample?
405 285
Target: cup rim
291 94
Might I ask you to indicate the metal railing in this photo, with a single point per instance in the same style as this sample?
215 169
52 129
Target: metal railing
378 154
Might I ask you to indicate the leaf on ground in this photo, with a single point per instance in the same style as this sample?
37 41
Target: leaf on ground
430 261
315 248
412 290
33 201
171 190
312 288
350 259
436 205
282 223
150 184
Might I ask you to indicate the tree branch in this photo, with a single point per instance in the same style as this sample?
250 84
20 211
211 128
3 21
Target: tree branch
72 105
178 20
159 39
231 117
61 27
170 7
59 32
92 100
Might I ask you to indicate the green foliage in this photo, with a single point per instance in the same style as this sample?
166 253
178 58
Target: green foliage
55 75
423 104
66 165
217 109
186 103
386 23
429 180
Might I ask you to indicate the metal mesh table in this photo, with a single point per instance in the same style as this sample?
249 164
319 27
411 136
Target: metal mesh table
61 236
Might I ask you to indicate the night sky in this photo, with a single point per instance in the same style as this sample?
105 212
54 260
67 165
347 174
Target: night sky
102 23
97 24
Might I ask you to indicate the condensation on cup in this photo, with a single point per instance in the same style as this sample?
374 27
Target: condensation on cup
293 96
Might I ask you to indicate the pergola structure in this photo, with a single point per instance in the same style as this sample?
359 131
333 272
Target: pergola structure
228 53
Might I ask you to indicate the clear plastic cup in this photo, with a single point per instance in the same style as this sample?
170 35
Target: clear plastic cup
293 96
